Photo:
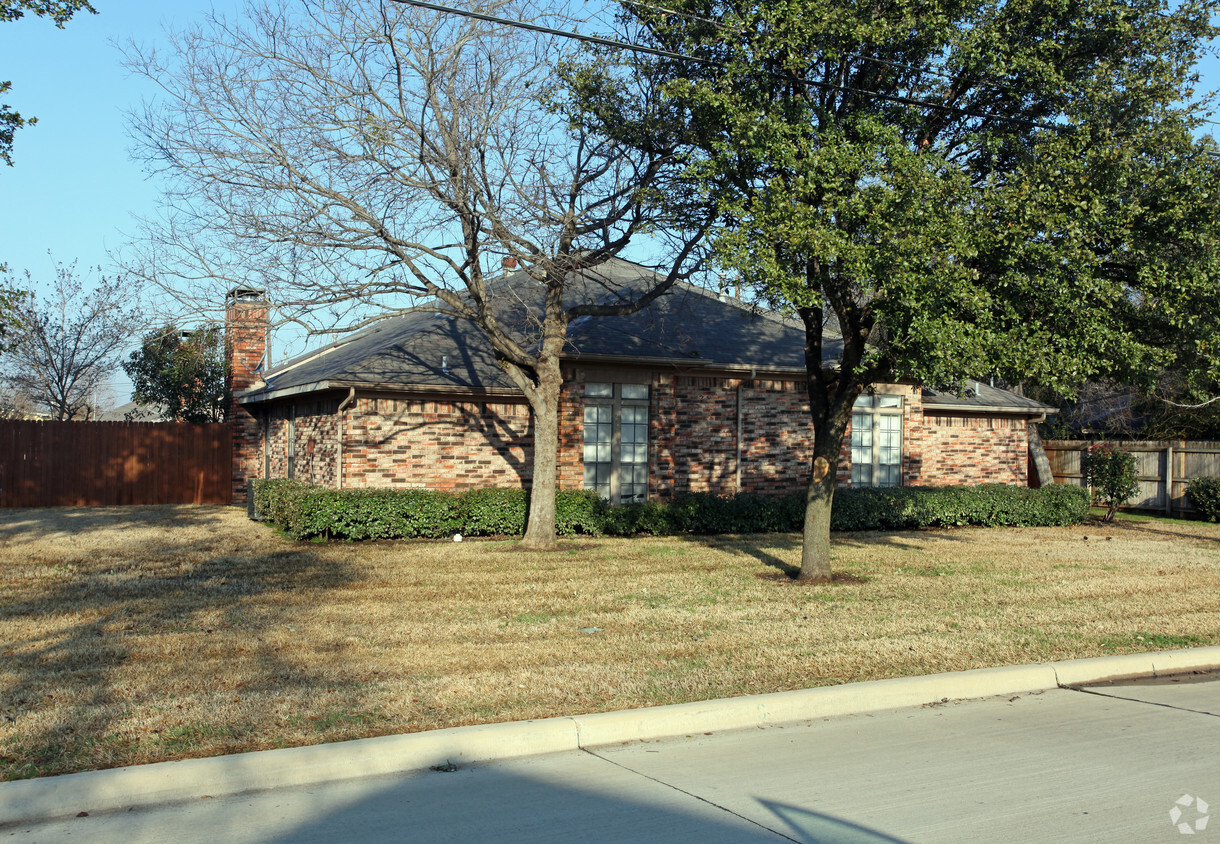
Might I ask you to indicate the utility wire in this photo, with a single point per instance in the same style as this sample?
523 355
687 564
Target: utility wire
668 54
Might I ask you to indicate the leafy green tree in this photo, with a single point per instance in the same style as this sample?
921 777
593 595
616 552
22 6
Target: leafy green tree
1008 187
59 11
182 373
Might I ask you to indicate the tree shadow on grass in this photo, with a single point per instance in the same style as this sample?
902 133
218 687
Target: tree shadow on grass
97 639
1152 528
762 547
36 524
902 540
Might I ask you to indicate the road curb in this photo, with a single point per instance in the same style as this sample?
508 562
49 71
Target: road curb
168 782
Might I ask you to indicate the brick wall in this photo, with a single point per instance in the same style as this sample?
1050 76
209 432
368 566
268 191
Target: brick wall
971 450
451 445
695 428
571 430
454 445
305 435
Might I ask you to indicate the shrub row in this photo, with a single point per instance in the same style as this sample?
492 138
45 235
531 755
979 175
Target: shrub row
989 505
305 511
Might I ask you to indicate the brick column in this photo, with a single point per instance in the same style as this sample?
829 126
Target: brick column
245 346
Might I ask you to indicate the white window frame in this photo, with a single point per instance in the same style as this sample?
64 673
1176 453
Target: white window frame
876 441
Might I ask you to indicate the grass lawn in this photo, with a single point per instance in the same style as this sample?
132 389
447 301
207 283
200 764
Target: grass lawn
133 635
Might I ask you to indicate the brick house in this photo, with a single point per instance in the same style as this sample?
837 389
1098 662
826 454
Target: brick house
698 392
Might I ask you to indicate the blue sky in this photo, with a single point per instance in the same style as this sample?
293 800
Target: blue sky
74 189
73 186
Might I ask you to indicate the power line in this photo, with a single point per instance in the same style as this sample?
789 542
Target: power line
668 54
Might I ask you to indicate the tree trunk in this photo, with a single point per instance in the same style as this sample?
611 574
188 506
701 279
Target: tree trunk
815 545
830 421
540 528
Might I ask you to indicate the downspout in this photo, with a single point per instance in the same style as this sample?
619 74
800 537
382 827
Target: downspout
739 436
343 405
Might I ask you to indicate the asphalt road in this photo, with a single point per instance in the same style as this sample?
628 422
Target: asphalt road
1105 764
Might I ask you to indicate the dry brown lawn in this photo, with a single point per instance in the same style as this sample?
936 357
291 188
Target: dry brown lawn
133 635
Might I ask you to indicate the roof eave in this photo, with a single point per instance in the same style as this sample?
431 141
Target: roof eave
1000 409
262 396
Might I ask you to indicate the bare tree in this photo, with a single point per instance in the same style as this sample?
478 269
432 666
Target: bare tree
361 157
15 404
68 342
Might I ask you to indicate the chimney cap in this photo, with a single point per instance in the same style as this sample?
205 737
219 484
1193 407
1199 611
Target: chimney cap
238 293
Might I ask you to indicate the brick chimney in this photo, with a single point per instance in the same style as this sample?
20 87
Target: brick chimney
246 329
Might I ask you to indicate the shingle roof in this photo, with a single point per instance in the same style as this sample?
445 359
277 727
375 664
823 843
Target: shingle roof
977 395
688 325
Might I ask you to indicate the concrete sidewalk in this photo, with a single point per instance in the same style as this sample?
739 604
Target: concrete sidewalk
347 767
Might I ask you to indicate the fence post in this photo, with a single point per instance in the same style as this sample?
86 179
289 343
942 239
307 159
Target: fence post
1169 479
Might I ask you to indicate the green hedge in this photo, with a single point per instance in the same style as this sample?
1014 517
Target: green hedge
1205 495
305 511
989 505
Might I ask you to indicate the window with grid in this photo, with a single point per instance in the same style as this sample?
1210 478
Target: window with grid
616 441
876 441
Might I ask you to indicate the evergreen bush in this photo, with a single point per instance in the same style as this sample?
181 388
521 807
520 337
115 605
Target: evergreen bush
1205 496
305 511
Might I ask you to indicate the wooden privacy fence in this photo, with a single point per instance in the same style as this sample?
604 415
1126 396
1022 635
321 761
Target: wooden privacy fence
47 464
1163 469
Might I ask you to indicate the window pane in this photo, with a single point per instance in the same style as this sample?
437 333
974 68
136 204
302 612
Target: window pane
635 391
891 453
861 472
599 390
889 401
634 453
634 434
599 429
595 414
864 401
862 430
635 415
891 432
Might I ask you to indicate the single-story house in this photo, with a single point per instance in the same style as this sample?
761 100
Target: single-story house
698 392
